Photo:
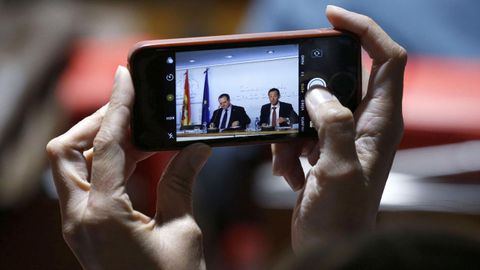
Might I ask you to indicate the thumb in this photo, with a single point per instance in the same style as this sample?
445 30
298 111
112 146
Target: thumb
174 191
336 132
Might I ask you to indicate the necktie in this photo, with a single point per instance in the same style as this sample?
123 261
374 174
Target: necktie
224 120
274 117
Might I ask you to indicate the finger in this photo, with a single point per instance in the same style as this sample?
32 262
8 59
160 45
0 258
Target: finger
69 166
336 132
314 154
134 154
379 121
286 163
381 48
111 163
375 41
174 191
88 155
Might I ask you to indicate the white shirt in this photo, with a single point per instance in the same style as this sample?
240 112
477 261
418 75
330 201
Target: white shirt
277 112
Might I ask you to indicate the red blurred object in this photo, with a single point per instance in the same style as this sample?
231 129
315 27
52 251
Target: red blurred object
245 246
86 85
441 101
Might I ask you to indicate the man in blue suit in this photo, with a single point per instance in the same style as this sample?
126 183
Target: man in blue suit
277 113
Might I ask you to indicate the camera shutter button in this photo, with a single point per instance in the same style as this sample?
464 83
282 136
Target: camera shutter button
316 82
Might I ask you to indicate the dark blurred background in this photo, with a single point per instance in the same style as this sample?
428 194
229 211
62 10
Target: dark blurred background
57 60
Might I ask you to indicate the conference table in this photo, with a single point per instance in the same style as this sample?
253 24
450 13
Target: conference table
192 135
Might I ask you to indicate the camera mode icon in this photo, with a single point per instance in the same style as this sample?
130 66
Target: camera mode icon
316 53
169 77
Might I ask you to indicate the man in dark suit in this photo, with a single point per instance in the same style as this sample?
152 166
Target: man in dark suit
277 113
228 115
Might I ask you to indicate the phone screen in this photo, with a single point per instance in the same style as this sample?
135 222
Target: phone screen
238 92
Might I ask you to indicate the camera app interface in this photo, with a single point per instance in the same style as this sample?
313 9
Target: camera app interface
237 92
240 92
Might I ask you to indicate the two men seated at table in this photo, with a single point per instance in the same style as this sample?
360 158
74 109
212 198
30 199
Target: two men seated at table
273 114
277 113
228 115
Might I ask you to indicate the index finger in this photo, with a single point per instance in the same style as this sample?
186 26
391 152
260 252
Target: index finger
389 58
110 160
69 167
379 121
375 41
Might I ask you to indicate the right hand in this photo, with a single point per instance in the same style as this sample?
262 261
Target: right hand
352 158
281 120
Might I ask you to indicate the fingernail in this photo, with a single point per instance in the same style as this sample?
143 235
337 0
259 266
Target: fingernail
103 110
337 8
293 186
118 74
318 95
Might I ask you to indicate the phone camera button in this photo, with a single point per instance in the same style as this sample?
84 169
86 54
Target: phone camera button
169 77
316 53
316 82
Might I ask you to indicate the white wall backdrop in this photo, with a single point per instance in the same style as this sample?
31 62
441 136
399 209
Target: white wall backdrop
246 83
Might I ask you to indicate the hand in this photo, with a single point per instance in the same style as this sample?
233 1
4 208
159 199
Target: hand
281 120
235 124
98 221
352 158
212 125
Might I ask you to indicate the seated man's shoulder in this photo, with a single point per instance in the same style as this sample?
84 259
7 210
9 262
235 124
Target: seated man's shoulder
285 104
237 107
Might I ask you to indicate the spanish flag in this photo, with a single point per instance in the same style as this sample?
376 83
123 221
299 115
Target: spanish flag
186 113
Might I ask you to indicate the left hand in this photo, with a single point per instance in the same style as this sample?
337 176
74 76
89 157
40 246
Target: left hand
98 221
235 124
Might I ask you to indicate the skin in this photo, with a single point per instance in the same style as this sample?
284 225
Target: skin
340 195
273 97
99 224
225 103
351 159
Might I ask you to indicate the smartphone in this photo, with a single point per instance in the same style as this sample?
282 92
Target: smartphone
238 89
